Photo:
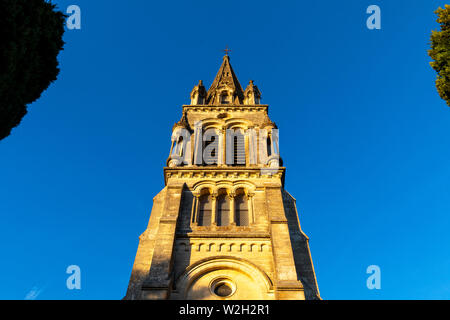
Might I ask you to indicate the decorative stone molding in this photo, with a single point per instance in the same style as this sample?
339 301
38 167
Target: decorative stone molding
217 246
227 108
231 173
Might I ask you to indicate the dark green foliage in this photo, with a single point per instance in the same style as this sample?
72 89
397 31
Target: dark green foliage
440 53
30 39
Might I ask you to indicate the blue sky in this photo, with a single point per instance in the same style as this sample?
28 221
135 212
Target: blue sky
363 134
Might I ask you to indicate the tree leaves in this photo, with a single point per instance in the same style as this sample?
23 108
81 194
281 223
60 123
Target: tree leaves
31 34
440 53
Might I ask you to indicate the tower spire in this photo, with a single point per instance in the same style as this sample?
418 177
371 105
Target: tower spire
225 88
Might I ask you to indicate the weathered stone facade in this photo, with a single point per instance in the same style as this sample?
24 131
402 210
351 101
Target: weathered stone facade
226 229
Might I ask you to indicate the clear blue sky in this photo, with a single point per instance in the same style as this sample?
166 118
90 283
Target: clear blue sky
364 136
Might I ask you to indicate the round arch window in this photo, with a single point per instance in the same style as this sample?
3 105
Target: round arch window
223 288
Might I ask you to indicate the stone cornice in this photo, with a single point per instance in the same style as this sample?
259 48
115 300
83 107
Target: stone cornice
226 108
205 172
214 235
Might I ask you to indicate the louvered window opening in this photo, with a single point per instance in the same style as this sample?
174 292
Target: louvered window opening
210 158
239 150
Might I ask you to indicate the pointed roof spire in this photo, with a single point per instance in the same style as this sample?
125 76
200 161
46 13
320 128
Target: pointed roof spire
252 95
183 123
225 83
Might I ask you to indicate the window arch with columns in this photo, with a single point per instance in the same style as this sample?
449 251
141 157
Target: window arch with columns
225 141
208 142
223 207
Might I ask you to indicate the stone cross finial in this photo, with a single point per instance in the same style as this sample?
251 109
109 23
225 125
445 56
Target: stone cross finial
226 50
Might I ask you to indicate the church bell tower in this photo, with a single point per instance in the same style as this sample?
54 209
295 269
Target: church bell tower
224 227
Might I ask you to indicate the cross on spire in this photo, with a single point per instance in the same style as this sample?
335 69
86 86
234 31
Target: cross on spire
226 50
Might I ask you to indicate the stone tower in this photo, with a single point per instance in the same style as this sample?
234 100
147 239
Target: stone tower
224 227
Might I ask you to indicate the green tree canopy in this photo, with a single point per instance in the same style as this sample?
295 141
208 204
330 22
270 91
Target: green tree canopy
31 34
440 53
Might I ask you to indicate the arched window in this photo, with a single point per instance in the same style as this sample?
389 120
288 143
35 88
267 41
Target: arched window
235 147
223 210
205 209
224 98
269 146
241 210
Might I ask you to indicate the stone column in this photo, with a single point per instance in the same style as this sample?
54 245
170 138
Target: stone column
198 143
194 211
250 207
252 147
263 157
224 146
213 210
232 209
220 147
